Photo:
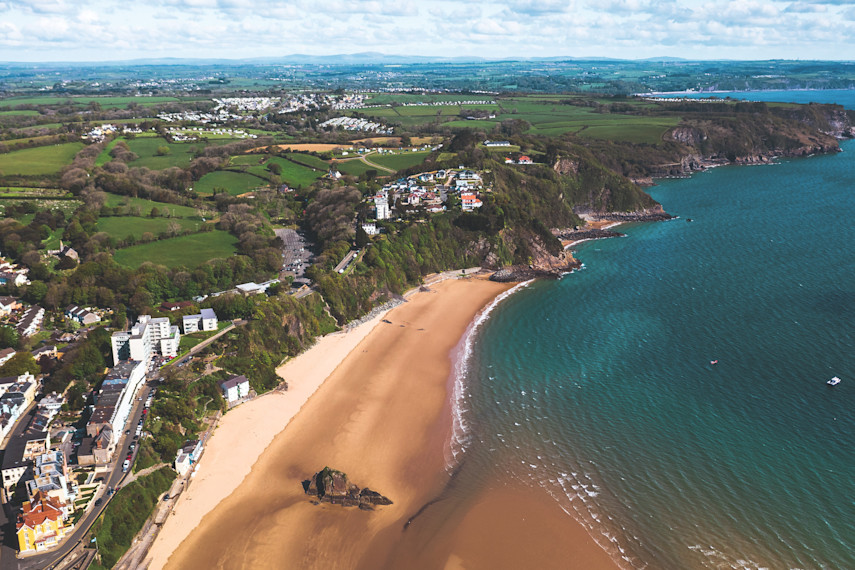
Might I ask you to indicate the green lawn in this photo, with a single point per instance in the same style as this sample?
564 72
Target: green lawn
188 251
40 161
399 161
145 206
235 183
121 227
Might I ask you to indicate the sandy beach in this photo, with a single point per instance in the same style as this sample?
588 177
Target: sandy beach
382 415
244 433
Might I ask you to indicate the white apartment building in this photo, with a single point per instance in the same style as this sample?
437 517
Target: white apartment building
381 206
146 337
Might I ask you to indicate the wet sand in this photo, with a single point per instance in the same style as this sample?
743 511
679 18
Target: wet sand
383 417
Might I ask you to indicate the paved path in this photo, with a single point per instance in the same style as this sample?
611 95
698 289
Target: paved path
364 158
133 476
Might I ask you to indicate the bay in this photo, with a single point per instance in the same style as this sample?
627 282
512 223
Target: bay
600 389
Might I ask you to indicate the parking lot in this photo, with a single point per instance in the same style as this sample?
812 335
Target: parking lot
296 256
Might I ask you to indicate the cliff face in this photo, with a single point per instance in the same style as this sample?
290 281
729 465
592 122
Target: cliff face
701 141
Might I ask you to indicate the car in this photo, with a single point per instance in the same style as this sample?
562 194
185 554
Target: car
131 447
125 466
136 437
144 412
127 432
98 502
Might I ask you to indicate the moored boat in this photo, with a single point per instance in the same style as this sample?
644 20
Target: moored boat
834 381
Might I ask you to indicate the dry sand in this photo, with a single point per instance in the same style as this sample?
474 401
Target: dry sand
244 433
382 416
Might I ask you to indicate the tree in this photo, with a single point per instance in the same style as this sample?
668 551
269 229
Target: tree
19 364
155 212
35 292
275 168
362 238
8 337
162 151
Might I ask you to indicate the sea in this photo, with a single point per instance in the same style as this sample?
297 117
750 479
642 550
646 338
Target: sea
671 395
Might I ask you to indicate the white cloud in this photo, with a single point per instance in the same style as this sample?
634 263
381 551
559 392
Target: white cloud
243 28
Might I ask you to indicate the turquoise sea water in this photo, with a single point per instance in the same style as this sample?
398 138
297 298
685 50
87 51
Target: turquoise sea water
599 387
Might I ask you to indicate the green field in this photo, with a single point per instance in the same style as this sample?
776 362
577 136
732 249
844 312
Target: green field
386 98
247 159
40 161
356 167
105 102
188 251
235 183
146 148
293 174
548 116
105 157
309 160
120 227
399 161
145 206
648 131
25 112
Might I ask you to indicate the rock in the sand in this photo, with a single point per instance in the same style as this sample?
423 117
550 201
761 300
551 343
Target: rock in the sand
332 486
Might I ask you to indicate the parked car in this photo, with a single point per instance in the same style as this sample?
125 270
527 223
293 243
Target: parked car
125 466
98 502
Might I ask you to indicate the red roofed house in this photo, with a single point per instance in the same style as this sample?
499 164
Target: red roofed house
469 202
42 524
524 160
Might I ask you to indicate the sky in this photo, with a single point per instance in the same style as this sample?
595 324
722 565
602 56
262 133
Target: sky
100 30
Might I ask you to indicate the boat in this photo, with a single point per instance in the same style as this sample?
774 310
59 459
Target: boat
834 381
713 362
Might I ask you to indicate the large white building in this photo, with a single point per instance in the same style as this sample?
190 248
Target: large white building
206 320
115 399
147 337
381 207
50 478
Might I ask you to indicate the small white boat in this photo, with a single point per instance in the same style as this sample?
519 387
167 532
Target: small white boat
834 381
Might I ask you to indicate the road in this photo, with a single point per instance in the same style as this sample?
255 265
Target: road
364 158
115 479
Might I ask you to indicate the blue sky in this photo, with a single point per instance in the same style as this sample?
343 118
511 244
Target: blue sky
95 30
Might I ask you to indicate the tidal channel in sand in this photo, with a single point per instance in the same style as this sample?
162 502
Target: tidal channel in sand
382 416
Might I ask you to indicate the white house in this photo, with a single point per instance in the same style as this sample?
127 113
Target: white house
187 456
235 388
497 143
206 320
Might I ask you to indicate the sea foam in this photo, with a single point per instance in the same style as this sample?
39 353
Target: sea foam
461 358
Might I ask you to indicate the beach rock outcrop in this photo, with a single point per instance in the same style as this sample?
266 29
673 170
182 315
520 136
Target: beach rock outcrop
332 486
